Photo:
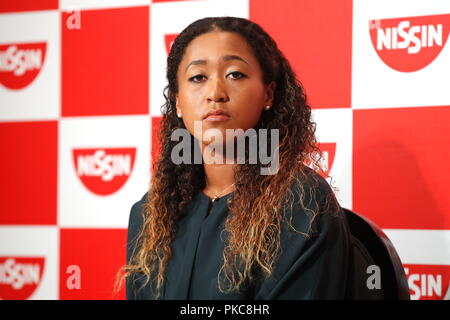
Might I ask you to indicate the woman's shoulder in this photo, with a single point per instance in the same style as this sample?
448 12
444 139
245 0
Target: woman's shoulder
136 217
316 182
135 223
313 203
142 200
312 188
138 205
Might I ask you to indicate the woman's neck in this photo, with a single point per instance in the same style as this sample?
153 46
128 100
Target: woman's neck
219 176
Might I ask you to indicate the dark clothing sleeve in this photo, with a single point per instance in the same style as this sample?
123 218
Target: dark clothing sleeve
135 223
318 267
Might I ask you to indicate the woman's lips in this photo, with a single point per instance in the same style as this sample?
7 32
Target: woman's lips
217 117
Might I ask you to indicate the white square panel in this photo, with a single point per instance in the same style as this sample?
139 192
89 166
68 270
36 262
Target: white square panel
99 4
30 46
334 131
30 257
379 79
421 246
103 168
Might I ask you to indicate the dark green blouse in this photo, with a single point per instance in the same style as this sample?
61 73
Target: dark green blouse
314 268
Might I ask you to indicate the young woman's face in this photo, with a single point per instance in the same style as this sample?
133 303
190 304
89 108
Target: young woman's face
220 72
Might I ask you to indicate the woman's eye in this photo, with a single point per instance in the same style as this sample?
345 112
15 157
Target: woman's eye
239 74
195 77
236 75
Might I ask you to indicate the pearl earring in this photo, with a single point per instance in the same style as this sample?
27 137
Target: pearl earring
179 115
267 107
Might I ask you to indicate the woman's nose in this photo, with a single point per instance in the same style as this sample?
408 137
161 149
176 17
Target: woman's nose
217 91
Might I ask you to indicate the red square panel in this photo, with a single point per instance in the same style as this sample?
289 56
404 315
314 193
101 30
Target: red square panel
105 63
97 254
316 37
29 171
401 167
27 5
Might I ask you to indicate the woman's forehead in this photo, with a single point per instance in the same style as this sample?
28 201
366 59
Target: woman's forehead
217 45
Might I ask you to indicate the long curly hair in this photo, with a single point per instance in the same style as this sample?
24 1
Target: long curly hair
255 208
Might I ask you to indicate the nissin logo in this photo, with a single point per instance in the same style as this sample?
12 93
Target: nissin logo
104 171
19 277
21 63
428 282
409 44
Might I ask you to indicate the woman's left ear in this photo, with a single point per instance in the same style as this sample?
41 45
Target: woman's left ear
177 108
270 93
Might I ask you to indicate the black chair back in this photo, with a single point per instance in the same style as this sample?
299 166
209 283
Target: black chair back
371 246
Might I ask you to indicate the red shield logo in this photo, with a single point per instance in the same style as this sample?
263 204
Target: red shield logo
20 63
19 277
409 44
104 171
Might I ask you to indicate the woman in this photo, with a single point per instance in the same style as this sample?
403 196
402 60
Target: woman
214 230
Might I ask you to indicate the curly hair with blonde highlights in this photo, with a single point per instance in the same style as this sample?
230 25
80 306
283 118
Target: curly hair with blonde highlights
253 226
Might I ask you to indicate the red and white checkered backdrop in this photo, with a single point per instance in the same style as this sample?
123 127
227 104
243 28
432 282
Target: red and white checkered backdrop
81 85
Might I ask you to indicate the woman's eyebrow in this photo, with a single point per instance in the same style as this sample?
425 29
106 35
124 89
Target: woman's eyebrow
224 58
